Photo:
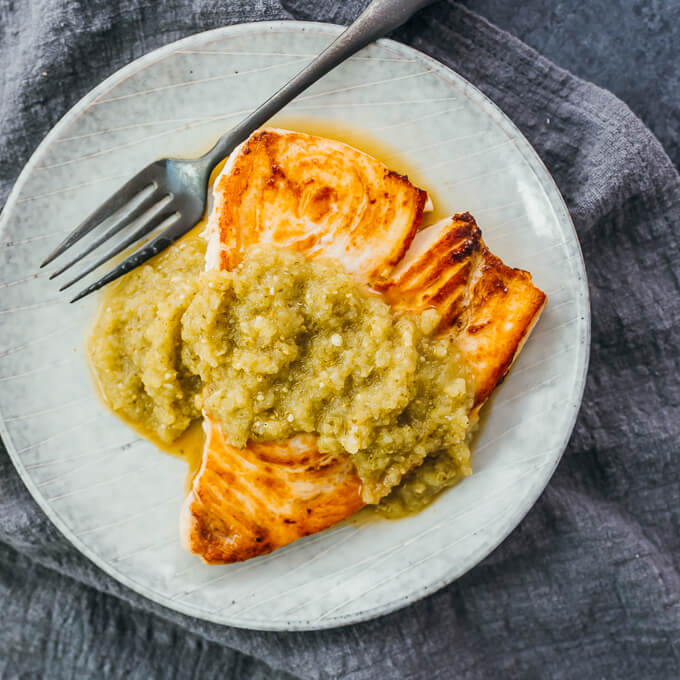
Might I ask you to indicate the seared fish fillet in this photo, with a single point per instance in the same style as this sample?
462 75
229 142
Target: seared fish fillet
248 502
245 503
316 196
489 308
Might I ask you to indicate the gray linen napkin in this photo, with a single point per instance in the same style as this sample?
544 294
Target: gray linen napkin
588 586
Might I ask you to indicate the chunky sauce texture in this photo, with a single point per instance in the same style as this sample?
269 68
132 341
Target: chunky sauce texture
281 346
284 345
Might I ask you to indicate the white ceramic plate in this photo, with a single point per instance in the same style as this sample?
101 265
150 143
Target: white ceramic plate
115 496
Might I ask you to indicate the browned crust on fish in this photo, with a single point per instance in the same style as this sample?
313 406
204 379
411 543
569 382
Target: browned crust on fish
303 192
505 305
487 307
251 501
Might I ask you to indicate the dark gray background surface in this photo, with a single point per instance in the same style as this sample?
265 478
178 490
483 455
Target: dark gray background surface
587 586
631 47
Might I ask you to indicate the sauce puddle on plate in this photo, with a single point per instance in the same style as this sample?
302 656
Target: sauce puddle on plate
188 446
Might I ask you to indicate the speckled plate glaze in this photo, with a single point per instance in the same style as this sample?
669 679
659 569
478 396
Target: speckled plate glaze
115 496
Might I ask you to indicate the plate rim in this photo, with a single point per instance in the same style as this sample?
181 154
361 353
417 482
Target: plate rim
537 166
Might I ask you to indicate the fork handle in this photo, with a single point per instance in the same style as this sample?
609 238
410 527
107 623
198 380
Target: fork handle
379 18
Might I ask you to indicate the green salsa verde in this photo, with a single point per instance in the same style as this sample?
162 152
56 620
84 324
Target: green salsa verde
284 345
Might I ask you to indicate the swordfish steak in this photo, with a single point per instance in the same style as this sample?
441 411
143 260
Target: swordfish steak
248 502
316 196
488 308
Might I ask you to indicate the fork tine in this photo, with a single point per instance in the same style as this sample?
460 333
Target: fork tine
119 224
153 247
153 218
115 202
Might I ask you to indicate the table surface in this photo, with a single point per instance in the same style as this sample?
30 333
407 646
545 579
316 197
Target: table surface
631 47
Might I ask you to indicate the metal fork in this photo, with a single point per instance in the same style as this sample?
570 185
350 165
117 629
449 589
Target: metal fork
170 195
